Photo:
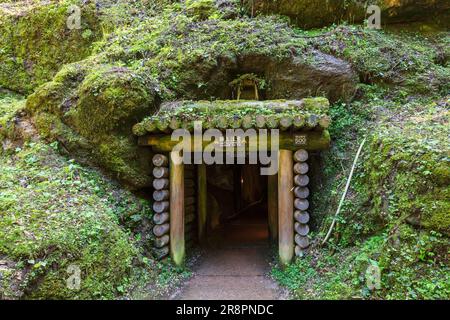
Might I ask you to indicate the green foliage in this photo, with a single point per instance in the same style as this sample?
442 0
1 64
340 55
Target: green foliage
408 170
55 213
10 104
201 9
108 98
291 278
406 60
35 41
413 265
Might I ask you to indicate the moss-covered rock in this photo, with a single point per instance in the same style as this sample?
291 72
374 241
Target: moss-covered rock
319 13
35 40
408 62
91 115
38 37
408 171
60 214
109 99
10 105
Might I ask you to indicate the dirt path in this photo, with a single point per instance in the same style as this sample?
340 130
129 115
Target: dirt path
235 265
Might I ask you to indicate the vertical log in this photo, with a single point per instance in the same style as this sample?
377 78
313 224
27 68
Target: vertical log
177 250
201 200
160 160
272 205
285 207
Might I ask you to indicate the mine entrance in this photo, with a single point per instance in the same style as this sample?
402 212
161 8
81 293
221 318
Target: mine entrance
237 205
194 201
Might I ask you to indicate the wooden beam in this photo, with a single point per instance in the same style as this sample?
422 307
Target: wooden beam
201 201
285 207
177 250
272 206
311 140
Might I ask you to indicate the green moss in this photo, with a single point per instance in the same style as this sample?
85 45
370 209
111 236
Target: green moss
100 110
35 41
10 104
396 60
186 112
55 213
405 171
201 9
411 264
109 98
120 154
53 220
100 98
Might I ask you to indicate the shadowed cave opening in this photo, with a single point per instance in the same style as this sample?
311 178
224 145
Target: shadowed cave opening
237 205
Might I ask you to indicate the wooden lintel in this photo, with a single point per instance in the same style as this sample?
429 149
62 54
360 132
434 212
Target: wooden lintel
310 140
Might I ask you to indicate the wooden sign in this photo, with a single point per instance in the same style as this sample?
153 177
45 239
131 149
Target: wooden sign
300 139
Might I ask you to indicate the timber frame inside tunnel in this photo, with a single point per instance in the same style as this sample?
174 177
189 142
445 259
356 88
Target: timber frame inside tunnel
180 190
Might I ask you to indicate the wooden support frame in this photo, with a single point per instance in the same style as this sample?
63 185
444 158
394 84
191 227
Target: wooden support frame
310 140
272 206
285 206
201 201
177 241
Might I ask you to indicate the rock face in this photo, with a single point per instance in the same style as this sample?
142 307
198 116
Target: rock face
319 13
295 77
327 76
35 41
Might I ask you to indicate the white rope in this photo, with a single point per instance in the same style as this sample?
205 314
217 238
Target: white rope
345 193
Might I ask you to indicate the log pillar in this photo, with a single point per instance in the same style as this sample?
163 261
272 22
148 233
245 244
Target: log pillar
272 206
285 207
201 201
177 245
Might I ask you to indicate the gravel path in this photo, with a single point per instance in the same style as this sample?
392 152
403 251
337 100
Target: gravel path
235 265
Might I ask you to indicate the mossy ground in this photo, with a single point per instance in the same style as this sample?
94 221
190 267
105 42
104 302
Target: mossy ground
55 213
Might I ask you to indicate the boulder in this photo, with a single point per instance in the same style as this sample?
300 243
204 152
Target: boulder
319 13
35 40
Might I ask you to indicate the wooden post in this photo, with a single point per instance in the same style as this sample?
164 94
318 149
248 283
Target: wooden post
177 250
272 205
285 206
201 200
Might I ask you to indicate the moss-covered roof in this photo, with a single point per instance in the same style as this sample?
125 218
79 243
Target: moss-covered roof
296 115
